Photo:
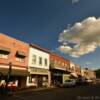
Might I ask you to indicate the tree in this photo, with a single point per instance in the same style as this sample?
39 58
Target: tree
97 73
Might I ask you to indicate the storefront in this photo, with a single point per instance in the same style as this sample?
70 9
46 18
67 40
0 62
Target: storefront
17 77
13 61
38 77
58 69
38 66
56 76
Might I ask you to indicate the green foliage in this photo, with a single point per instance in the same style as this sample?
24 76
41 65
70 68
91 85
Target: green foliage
97 73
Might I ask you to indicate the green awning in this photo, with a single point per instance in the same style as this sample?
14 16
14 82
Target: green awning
57 74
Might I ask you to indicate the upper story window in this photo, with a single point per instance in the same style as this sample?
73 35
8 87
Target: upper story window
4 52
4 56
20 59
34 59
20 56
40 60
55 62
63 64
45 61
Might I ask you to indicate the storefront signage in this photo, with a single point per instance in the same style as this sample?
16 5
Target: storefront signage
39 71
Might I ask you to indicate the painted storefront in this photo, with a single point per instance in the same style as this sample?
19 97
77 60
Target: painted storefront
38 66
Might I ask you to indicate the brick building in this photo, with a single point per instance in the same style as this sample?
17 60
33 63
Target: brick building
59 68
14 57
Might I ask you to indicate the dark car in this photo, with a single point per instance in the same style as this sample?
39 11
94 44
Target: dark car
81 81
69 83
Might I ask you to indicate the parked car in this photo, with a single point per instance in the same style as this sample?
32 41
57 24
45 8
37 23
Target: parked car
69 83
82 81
89 81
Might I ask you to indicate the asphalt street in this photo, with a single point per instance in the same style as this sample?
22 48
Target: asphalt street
74 93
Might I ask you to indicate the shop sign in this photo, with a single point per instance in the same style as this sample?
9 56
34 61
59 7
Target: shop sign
39 71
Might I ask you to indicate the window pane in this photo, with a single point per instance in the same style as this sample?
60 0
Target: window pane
4 56
40 60
34 59
45 62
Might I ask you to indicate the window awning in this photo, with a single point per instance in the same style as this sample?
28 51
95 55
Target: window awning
20 54
4 49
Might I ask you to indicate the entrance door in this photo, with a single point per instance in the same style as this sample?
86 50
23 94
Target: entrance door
40 80
56 78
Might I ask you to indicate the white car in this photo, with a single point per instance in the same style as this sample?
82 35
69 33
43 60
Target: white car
69 83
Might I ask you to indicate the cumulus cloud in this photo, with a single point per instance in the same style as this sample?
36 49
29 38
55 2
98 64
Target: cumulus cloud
84 35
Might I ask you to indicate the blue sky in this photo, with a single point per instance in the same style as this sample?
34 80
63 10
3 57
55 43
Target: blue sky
42 21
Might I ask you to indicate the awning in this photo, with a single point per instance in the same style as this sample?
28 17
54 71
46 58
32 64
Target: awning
4 49
57 74
20 53
14 72
74 74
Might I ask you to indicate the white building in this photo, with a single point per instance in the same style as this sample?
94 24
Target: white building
38 66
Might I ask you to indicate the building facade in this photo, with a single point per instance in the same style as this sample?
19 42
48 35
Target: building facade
73 73
88 74
13 60
38 66
78 70
58 68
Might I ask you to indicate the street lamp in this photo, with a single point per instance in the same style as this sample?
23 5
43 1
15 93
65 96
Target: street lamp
9 71
8 76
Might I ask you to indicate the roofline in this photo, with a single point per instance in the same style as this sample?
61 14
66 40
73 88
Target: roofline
39 47
59 56
14 38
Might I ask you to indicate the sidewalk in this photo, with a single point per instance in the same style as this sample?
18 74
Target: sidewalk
34 89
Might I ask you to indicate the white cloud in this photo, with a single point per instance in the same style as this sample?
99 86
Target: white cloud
88 63
75 1
85 35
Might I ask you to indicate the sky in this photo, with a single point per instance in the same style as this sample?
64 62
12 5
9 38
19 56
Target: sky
69 28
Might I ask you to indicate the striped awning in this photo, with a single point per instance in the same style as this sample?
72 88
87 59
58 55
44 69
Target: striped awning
4 49
21 54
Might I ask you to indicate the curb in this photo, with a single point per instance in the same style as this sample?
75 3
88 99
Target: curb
33 89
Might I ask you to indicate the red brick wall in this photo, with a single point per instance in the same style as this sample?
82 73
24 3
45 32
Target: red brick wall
14 46
54 57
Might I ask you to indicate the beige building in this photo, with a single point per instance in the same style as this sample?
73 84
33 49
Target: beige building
88 73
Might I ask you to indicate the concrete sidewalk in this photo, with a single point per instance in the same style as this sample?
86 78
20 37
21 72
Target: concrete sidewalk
33 89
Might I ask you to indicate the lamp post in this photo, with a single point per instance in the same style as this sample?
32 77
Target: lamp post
8 77
9 71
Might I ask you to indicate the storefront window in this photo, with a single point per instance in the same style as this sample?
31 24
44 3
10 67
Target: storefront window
30 79
19 59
